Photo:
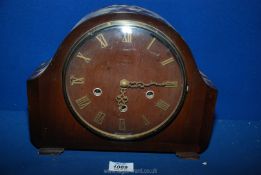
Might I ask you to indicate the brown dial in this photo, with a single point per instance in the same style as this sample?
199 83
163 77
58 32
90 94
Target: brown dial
124 80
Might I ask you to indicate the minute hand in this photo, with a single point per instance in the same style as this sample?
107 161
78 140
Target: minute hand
139 84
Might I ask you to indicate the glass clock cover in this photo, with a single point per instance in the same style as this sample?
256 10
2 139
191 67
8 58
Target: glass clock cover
123 80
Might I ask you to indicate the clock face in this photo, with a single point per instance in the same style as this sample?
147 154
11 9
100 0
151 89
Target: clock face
124 80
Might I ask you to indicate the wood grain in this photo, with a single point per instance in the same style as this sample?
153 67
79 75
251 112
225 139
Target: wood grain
52 124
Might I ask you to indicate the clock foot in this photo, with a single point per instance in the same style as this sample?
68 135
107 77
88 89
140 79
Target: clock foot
188 155
50 151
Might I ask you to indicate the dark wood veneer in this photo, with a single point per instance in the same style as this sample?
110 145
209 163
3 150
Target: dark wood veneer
53 126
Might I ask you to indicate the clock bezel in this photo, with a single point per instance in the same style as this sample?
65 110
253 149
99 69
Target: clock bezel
162 37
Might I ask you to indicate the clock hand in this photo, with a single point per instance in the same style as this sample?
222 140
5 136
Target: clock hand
122 100
139 84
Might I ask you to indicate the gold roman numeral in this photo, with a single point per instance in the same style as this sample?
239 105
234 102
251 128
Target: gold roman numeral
102 40
83 102
74 80
162 105
122 125
145 120
167 61
127 38
86 59
150 44
99 118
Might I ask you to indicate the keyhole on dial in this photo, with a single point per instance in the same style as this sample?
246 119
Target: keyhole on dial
123 108
97 92
150 94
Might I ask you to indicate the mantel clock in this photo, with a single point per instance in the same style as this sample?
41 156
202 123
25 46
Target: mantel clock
122 80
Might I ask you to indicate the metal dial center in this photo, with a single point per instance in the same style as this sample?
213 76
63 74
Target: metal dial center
124 83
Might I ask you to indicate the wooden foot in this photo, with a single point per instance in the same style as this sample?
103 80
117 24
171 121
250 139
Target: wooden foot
50 151
188 155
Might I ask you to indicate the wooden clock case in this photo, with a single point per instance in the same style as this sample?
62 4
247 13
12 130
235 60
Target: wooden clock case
53 127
